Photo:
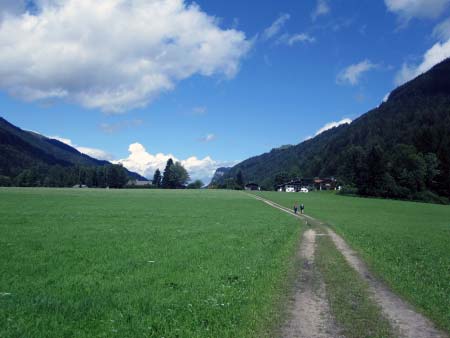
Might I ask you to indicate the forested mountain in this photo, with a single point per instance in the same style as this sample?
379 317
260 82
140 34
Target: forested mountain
26 157
400 149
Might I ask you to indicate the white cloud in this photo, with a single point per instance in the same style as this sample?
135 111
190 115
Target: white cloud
333 125
290 40
352 74
286 38
112 55
442 31
92 152
276 26
322 8
145 163
436 54
408 9
208 138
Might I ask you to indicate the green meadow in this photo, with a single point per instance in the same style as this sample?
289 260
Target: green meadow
141 263
406 244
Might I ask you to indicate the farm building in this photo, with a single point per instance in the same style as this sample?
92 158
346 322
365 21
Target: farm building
137 183
309 184
252 186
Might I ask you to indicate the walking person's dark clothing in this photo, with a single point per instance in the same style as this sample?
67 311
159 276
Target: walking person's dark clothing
302 208
295 208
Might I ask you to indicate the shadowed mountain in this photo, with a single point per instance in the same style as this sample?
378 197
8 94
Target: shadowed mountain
400 149
21 150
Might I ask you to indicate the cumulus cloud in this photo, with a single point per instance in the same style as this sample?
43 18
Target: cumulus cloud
352 74
92 152
275 28
112 55
145 163
333 125
442 31
424 9
322 8
437 53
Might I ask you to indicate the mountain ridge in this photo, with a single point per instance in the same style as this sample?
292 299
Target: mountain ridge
415 115
21 149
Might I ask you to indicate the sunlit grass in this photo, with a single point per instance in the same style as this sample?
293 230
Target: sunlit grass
141 263
405 243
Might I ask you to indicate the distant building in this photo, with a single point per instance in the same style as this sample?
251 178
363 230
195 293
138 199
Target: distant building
137 183
308 184
80 186
252 186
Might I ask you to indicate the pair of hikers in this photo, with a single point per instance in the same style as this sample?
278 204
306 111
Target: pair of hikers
302 208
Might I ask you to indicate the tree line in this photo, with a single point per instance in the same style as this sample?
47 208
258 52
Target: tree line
112 176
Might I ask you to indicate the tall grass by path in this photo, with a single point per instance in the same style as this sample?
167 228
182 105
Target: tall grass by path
407 244
147 263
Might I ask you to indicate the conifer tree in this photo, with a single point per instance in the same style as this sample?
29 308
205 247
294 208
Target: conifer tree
157 179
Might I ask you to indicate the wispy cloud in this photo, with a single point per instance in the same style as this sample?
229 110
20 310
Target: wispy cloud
208 138
275 28
199 110
322 8
352 74
423 9
291 40
442 30
92 152
111 128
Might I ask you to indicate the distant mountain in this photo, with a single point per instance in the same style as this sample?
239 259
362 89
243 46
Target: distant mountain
21 150
400 149
218 175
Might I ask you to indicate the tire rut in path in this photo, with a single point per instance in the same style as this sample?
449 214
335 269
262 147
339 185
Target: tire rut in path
309 314
402 316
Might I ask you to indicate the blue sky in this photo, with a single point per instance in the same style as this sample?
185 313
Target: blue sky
211 83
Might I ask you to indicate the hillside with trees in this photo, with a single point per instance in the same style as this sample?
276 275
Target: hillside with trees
399 150
31 159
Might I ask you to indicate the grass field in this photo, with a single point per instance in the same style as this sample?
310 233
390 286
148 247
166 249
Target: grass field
405 243
141 263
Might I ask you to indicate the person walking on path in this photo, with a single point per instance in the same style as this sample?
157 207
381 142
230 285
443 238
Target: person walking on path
302 208
295 208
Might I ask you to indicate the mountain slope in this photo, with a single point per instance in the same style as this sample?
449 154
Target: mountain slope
412 126
21 150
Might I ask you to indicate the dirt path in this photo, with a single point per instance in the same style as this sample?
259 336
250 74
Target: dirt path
309 313
402 316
